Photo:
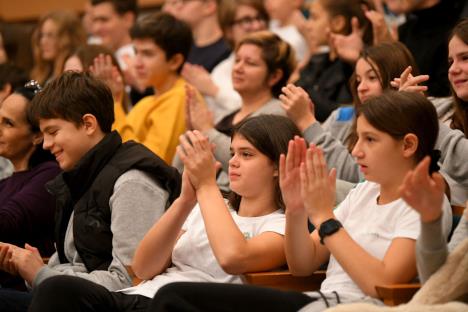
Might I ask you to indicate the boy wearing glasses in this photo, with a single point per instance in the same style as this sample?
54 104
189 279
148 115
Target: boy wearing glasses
108 197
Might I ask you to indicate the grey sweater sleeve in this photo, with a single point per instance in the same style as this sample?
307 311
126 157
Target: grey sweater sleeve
431 246
454 150
336 154
137 202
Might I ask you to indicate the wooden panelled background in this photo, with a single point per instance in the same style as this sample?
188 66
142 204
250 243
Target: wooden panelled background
31 10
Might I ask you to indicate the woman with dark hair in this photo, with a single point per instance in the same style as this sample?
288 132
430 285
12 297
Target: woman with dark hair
26 208
201 237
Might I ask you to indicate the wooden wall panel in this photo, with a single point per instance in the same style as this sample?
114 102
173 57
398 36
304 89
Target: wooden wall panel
29 10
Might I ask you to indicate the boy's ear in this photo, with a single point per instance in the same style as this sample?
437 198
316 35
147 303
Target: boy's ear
275 77
176 61
410 145
90 124
337 24
37 138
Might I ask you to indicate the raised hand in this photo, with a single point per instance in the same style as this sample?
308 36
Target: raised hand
317 187
298 106
348 48
196 153
408 82
103 69
381 32
289 175
197 114
422 192
200 78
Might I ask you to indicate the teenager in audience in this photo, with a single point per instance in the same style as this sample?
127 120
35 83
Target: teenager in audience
26 208
457 75
107 198
262 66
209 241
237 18
368 240
209 46
57 35
325 77
375 69
162 44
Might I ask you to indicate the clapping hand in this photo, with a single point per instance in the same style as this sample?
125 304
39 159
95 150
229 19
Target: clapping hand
424 193
317 187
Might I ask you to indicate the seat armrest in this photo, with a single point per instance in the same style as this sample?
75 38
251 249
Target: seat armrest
396 294
284 280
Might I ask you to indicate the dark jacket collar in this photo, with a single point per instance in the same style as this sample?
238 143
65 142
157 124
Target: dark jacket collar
80 178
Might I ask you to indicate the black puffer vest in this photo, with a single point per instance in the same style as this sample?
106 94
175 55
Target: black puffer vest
86 190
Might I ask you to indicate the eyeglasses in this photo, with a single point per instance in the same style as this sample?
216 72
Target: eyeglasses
34 86
249 20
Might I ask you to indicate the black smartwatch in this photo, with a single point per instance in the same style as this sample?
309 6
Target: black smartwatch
328 227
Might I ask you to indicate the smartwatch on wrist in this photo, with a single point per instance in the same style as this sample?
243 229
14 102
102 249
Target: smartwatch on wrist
328 228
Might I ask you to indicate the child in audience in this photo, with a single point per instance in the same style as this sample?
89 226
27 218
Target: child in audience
212 241
237 18
262 66
162 44
457 75
368 240
108 196
375 69
57 35
26 208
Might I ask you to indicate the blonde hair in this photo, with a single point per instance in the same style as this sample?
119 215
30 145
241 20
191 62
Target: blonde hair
70 35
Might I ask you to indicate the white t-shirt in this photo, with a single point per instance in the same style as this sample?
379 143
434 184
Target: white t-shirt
193 259
373 227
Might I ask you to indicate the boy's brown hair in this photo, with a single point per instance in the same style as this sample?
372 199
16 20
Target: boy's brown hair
70 97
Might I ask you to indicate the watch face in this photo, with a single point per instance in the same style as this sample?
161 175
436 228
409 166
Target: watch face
328 227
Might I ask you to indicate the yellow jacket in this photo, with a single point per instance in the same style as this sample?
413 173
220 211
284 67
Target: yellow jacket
157 121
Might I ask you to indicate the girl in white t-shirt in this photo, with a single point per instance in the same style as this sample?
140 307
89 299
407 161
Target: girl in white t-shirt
368 240
208 241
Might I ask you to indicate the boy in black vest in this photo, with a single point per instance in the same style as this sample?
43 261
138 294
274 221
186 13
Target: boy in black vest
108 196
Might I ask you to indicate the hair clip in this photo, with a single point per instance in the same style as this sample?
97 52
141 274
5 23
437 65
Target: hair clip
34 86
